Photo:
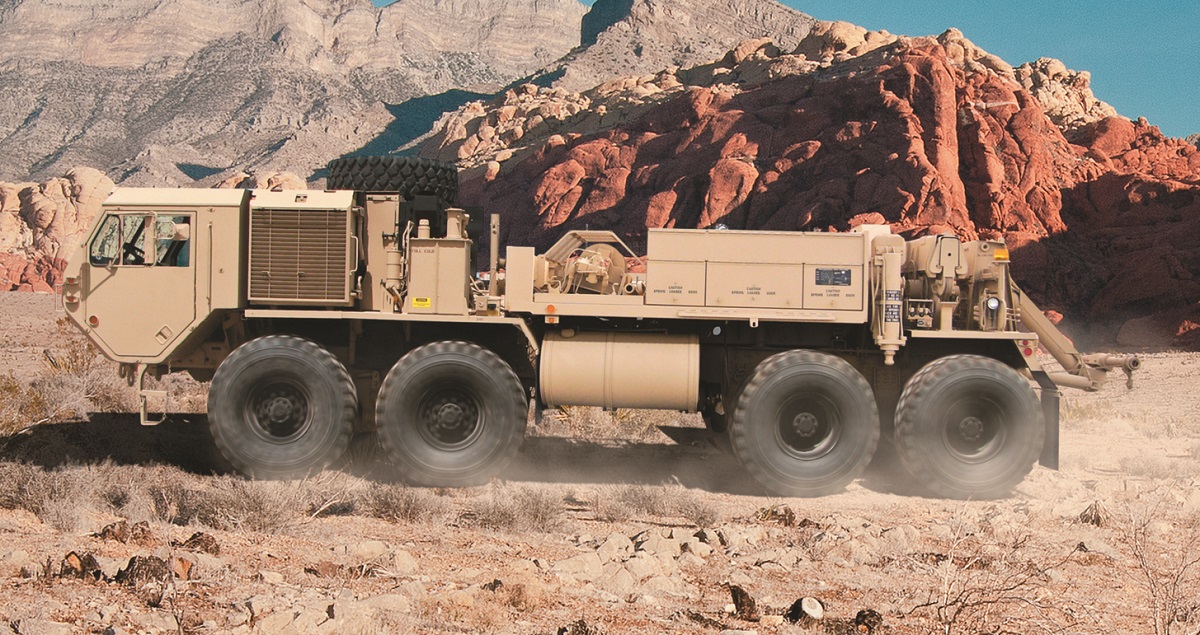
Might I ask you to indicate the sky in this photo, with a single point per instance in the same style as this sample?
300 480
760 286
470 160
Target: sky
1143 56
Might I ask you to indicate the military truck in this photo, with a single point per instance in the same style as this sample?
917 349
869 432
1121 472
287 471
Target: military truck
316 314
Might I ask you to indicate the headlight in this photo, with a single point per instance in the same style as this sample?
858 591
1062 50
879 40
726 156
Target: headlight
993 304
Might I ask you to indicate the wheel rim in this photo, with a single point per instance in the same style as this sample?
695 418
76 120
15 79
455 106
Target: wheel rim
974 429
279 411
807 426
449 418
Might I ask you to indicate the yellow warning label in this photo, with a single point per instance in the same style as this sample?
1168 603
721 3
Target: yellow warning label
422 303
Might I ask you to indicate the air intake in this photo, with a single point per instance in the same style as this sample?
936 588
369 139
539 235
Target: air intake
300 256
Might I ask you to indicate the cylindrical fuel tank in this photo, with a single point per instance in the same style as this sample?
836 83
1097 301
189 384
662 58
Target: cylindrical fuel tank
621 370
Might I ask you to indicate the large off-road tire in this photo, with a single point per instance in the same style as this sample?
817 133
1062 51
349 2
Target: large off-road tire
409 176
968 427
281 407
806 424
451 414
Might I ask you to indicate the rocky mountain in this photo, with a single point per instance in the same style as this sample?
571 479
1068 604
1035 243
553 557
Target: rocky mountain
638 37
167 92
1194 139
850 127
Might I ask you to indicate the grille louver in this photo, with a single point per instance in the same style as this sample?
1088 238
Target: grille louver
300 256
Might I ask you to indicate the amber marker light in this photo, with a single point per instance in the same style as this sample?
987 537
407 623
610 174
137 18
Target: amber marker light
1001 253
550 309
94 321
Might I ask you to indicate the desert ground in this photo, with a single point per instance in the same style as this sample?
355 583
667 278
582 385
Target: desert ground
604 524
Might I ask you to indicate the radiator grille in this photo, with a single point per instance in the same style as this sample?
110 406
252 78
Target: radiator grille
300 256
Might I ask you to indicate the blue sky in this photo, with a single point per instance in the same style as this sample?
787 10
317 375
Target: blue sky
1143 56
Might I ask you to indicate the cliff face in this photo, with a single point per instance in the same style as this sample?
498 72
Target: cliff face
926 134
165 92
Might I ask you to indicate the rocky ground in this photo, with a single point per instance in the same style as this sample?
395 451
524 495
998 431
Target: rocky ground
109 527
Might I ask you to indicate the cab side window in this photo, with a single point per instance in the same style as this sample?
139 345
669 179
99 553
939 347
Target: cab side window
173 237
103 251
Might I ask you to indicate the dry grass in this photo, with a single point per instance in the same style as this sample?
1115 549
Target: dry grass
1158 467
519 508
400 503
64 497
616 503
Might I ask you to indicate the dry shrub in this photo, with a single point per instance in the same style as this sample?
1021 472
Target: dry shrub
695 509
75 381
518 508
1157 467
617 503
982 586
400 503
233 503
1167 558
20 406
607 505
61 498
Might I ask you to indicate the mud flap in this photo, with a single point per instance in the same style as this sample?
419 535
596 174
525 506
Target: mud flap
1050 398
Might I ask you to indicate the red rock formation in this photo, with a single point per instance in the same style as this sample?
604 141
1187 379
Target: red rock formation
914 134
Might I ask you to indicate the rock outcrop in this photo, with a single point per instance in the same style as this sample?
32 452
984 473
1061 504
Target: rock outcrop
42 224
1194 139
1066 95
926 134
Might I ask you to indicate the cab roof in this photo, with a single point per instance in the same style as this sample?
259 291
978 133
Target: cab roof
175 197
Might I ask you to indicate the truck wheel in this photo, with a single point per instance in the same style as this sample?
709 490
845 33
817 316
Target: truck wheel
281 407
451 414
806 424
407 175
968 427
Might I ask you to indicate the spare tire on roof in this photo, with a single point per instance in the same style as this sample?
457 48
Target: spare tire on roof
410 176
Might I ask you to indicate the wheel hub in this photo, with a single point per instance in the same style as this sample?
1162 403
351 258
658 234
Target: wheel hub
805 424
452 420
971 428
280 409
450 415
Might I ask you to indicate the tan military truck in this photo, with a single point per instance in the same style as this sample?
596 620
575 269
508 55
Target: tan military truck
319 313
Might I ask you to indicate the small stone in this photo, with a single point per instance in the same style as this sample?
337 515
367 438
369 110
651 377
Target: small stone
621 582
271 577
615 547
643 566
403 563
275 622
389 602
698 547
771 620
587 566
42 627
368 550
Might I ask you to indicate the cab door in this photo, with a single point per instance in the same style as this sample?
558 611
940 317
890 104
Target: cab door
140 282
